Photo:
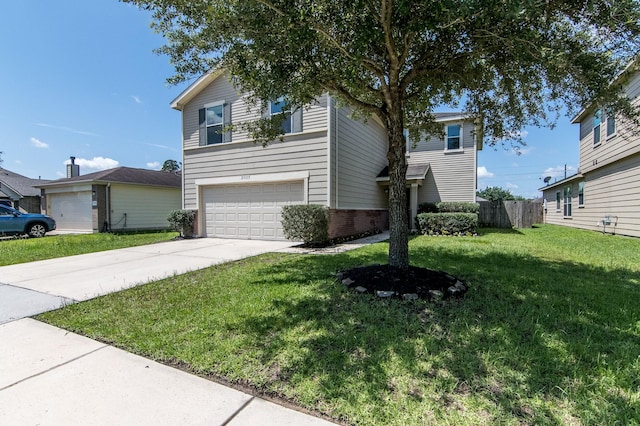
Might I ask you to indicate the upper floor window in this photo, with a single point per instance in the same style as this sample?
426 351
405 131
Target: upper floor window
611 123
212 119
281 106
596 126
454 137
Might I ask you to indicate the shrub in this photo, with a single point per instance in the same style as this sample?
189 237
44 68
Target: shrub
306 222
457 207
427 208
182 221
447 223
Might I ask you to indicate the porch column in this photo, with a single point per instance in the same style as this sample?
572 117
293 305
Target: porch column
414 205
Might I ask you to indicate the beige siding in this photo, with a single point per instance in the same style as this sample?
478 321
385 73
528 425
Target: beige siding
298 153
624 142
146 207
332 155
361 155
451 175
613 190
313 116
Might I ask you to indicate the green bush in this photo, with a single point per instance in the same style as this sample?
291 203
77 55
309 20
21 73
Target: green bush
427 208
182 221
457 207
447 223
306 222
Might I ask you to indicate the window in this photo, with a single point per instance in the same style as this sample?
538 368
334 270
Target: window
214 124
281 106
580 194
558 200
212 119
454 137
611 123
567 201
596 127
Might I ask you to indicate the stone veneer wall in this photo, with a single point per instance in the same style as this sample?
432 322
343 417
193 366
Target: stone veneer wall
344 223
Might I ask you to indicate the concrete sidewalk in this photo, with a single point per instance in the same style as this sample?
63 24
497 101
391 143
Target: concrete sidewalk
49 376
52 377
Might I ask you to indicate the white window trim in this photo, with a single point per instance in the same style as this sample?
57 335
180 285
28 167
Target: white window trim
224 122
558 201
593 130
446 138
606 127
581 204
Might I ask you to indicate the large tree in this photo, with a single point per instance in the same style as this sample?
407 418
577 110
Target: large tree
505 63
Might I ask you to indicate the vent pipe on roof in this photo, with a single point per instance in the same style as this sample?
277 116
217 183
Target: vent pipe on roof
73 169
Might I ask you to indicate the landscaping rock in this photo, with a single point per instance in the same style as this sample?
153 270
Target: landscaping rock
436 294
385 293
410 296
361 289
347 281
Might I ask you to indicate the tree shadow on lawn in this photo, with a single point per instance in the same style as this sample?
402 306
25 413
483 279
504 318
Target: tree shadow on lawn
532 341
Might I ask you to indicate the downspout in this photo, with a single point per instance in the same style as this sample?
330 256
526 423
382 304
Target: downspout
108 202
329 142
337 158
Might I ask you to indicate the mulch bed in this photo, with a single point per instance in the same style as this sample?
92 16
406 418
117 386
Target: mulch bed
413 283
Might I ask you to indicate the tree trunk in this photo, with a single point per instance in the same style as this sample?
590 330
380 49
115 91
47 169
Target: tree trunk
398 221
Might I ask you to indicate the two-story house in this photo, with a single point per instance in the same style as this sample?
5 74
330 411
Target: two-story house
238 187
605 193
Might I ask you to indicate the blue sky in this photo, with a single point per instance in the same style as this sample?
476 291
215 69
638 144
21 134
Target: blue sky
79 77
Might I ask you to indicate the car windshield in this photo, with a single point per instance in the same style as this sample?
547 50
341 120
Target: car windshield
8 211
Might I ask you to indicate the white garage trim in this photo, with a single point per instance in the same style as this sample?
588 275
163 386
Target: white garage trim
206 193
270 177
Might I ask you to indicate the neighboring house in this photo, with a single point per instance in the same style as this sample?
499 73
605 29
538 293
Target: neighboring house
605 193
118 199
20 192
238 187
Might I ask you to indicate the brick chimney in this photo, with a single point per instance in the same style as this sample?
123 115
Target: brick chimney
73 169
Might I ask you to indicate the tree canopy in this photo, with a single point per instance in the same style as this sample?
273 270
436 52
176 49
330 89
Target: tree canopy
505 63
170 166
495 193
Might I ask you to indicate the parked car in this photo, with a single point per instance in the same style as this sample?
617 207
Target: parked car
14 222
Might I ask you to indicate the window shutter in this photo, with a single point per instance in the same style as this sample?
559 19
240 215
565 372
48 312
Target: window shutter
202 124
296 120
226 120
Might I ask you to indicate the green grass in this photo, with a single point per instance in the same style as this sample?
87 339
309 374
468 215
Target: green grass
23 250
549 332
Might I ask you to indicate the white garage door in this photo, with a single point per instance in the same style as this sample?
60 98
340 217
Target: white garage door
250 211
71 210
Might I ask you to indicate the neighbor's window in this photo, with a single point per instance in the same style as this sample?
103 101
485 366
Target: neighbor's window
567 201
454 137
558 200
611 123
580 194
281 106
596 126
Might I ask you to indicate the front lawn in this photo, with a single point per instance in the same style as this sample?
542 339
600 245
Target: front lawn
21 250
548 333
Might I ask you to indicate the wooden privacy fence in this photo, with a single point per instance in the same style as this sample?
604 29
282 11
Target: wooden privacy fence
510 214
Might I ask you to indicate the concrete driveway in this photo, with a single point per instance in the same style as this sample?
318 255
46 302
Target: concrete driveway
50 376
31 288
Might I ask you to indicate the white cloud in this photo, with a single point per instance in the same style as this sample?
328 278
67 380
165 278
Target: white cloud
96 163
18 162
154 165
558 171
136 99
483 172
38 143
511 185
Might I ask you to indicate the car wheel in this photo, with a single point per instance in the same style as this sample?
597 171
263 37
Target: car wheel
36 230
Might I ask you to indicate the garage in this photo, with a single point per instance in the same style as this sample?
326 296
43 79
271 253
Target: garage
71 210
248 211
